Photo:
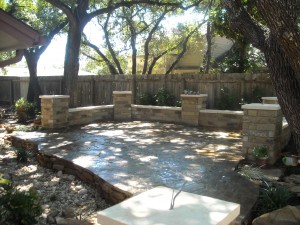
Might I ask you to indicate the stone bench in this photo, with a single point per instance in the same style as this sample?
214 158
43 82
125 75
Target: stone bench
152 207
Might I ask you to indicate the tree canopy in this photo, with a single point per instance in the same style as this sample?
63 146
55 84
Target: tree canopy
138 32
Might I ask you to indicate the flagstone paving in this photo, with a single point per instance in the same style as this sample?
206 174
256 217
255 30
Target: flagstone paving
137 156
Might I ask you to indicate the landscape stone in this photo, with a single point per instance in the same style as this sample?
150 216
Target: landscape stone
272 174
71 177
68 213
295 189
289 215
51 217
82 191
69 221
59 173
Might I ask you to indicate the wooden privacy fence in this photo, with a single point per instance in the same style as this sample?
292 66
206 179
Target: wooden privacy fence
97 90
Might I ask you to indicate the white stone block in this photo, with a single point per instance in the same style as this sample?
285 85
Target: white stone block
152 207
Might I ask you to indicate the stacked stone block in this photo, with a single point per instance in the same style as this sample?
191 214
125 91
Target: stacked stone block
122 105
225 119
262 126
90 114
191 105
270 100
156 113
54 111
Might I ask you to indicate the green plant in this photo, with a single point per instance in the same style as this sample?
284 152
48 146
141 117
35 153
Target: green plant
25 110
22 155
226 100
271 198
147 99
260 152
255 97
163 97
18 208
253 173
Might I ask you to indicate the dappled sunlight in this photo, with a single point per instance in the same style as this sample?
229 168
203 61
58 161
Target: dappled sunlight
178 141
136 156
61 144
148 158
84 161
111 133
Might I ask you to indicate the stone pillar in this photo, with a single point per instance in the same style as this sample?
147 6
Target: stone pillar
191 105
55 110
270 100
262 126
122 105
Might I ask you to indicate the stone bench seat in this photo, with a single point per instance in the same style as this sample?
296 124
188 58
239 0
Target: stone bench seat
89 108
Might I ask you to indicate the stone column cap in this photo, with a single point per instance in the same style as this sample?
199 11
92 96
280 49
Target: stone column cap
54 96
201 95
260 106
269 98
122 92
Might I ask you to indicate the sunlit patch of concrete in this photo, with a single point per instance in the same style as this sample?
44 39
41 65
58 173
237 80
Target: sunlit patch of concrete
84 160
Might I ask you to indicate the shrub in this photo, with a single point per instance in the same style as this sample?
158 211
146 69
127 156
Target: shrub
22 155
272 198
226 100
147 99
253 173
163 97
18 208
260 152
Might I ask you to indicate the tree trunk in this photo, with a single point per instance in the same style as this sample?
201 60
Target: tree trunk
208 51
286 86
34 89
71 65
134 53
280 58
242 61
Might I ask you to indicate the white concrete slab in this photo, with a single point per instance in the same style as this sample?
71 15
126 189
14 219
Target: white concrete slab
261 106
152 208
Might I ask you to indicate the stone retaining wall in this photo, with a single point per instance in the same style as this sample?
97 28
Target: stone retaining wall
156 113
224 119
109 192
85 115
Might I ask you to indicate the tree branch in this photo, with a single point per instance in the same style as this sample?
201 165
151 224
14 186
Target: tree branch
66 9
149 38
109 64
112 6
110 49
243 23
183 51
17 58
50 36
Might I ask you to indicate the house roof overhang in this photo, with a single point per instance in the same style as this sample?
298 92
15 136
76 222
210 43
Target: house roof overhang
14 34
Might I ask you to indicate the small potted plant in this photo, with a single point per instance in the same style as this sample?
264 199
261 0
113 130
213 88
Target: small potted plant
261 155
24 110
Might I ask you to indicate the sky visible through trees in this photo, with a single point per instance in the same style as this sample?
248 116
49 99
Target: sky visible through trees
53 57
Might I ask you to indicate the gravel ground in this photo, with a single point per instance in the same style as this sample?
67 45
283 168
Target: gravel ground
59 192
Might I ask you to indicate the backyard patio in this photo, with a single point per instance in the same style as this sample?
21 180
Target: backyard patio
137 156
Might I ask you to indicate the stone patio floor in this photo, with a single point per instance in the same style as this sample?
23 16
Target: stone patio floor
137 156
